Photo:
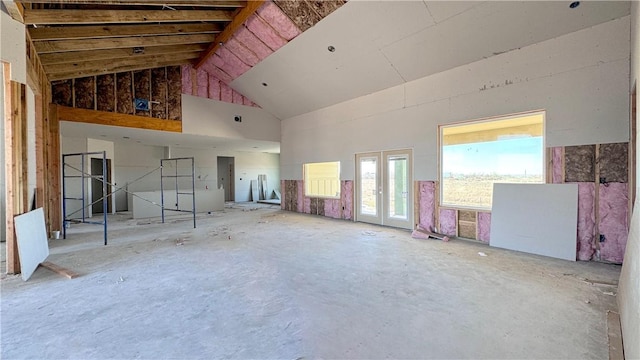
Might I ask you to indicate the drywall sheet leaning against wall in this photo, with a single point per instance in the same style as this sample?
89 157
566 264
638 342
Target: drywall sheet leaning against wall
535 218
33 246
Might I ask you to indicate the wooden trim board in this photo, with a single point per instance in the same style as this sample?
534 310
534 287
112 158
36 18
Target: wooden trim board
116 119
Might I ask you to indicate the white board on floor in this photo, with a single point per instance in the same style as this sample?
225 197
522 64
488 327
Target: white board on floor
254 191
33 247
535 218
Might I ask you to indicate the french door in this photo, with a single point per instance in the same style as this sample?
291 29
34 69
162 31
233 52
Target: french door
384 191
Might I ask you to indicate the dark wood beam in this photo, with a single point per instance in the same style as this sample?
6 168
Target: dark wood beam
230 29
123 53
73 16
43 47
116 119
85 32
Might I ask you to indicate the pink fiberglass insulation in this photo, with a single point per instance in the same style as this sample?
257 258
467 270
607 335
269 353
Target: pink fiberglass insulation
302 200
209 67
242 52
419 235
255 105
426 200
202 81
266 33
614 225
237 97
586 220
250 41
346 199
272 15
484 226
214 88
306 205
332 208
246 101
282 192
447 222
556 155
226 93
232 61
187 85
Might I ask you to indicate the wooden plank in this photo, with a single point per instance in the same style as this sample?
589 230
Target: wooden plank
216 3
97 31
230 29
120 54
614 335
13 261
54 170
141 66
73 16
114 119
59 270
44 47
40 152
108 65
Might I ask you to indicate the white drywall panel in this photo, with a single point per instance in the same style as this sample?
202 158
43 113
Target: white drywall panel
33 246
147 204
535 218
2 165
13 47
201 116
585 94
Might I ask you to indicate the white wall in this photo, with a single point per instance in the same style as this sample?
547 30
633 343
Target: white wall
201 116
629 288
13 47
580 79
135 160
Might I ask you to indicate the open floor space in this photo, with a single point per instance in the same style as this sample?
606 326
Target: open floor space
253 281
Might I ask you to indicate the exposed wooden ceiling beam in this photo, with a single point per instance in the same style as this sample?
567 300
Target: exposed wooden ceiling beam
230 29
115 119
216 3
110 64
73 16
147 65
84 32
93 55
43 47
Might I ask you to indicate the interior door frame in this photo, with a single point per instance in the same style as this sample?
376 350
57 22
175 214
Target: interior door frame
382 185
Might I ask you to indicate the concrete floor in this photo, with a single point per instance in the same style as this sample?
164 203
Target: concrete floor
263 283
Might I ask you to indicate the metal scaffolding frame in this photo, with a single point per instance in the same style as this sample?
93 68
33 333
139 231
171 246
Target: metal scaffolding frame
177 176
83 177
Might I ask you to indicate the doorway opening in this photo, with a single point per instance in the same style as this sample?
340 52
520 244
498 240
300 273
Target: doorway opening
97 196
226 176
384 191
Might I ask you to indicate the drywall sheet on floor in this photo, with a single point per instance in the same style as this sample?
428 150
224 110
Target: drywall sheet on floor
535 218
33 247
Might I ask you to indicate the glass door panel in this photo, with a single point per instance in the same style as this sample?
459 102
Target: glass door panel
368 189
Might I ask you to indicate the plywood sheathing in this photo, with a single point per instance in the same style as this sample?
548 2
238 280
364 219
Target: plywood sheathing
579 163
174 89
124 93
586 221
614 162
62 92
106 92
467 224
427 205
159 93
484 226
142 89
447 222
300 12
84 92
613 223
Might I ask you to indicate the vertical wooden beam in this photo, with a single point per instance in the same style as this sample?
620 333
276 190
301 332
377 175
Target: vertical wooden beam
53 162
40 151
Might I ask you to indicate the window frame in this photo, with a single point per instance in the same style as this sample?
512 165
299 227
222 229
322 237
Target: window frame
305 181
441 127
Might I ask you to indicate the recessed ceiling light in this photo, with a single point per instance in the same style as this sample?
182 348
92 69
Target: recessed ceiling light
265 84
574 4
126 137
331 48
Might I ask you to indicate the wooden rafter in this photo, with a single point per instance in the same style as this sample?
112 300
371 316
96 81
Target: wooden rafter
227 33
117 68
74 16
85 32
44 47
116 54
101 66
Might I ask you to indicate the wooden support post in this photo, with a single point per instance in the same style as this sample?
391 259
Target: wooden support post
53 167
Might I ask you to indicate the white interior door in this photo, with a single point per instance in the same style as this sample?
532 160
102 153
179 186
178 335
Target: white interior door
384 193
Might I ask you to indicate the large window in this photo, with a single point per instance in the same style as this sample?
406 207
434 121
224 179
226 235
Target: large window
322 179
477 154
